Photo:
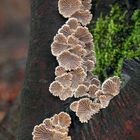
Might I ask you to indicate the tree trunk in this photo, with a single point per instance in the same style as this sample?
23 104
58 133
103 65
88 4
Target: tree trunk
36 101
118 122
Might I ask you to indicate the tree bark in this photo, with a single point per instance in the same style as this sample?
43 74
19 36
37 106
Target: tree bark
118 122
36 101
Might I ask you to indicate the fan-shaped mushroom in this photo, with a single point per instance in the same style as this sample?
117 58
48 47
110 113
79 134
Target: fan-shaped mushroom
110 87
59 70
89 64
86 4
56 88
58 48
78 76
40 132
83 34
84 111
68 7
55 128
65 79
73 23
69 61
64 119
65 30
74 106
95 107
104 100
66 93
83 16
60 38
96 82
92 89
98 93
81 91
78 50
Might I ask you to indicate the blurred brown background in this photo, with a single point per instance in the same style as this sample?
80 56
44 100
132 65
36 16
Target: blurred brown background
14 41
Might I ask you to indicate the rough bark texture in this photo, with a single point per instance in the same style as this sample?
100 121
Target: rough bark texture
36 101
120 121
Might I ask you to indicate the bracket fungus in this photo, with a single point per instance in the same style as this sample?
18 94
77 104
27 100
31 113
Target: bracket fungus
68 7
65 79
83 34
84 16
73 23
86 4
69 60
81 91
73 48
111 86
84 109
59 71
56 88
65 30
54 128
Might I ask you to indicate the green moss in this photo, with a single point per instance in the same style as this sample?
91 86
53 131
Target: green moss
116 38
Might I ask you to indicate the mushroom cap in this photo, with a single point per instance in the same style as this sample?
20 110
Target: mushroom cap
68 138
86 83
104 100
65 79
95 107
61 129
83 16
60 38
90 56
59 70
98 93
110 87
48 123
57 48
41 132
89 64
85 68
90 76
55 128
81 91
64 119
74 106
84 111
55 120
59 136
86 4
83 34
78 50
69 61
56 88
66 93
73 23
72 40
59 44
65 30
78 76
68 7
89 46
116 80
92 89
96 82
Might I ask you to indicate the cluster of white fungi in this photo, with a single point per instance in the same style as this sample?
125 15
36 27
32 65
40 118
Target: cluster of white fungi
74 50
